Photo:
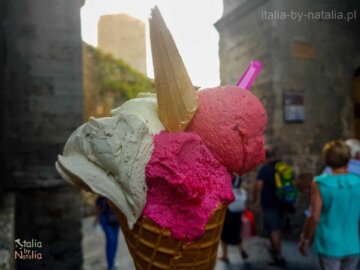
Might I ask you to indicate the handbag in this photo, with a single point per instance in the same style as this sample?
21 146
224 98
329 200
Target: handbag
239 204
248 228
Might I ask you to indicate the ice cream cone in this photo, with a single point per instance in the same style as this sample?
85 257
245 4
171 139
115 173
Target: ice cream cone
153 247
177 98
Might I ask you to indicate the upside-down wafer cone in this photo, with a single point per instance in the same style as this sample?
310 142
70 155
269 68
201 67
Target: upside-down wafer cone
153 248
177 98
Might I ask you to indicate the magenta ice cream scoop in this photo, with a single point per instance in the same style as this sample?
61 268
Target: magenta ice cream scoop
185 184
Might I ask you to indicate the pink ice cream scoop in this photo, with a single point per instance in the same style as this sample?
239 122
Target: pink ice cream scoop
231 122
185 184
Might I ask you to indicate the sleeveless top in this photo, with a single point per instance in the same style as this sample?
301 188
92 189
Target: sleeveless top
338 231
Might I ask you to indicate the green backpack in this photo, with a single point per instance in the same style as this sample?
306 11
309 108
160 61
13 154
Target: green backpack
286 191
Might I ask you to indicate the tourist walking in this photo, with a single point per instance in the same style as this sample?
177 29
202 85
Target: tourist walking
273 212
107 218
333 225
231 233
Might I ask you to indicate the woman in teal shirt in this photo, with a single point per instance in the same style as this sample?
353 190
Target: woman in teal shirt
333 225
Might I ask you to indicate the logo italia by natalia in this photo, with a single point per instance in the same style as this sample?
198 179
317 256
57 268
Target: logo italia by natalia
28 250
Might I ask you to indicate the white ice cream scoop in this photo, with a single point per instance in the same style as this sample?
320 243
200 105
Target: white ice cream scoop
108 156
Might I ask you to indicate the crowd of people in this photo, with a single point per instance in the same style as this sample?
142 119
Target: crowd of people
332 225
332 220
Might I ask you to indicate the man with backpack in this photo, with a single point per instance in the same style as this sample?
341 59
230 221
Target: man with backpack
275 191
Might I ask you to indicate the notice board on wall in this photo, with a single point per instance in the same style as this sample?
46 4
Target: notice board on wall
293 107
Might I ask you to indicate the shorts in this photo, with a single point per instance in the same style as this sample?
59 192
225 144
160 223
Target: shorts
274 220
344 263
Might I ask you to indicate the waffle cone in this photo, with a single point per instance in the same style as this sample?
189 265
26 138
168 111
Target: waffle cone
176 95
153 248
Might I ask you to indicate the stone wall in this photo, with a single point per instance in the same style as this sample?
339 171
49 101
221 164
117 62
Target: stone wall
2 83
41 106
7 206
324 80
51 216
124 37
44 85
316 58
7 199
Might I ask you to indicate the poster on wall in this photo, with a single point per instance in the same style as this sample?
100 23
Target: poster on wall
293 107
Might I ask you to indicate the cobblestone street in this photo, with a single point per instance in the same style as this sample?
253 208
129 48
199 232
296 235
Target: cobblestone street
94 254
